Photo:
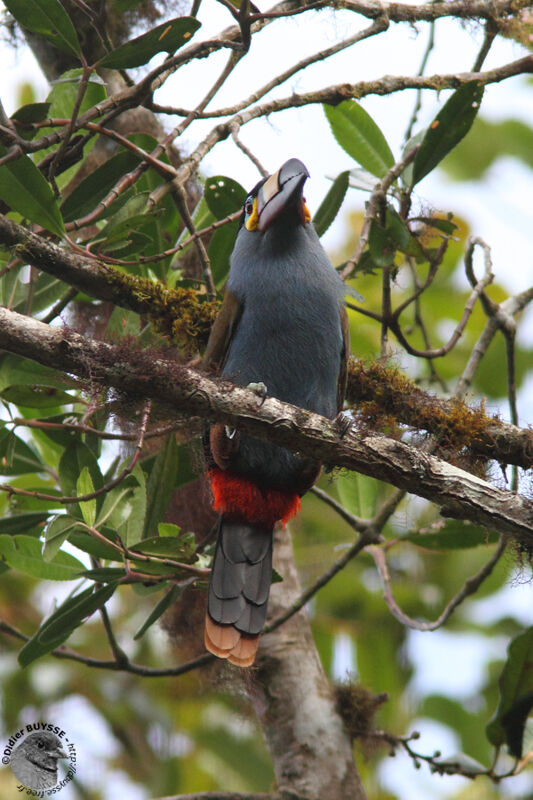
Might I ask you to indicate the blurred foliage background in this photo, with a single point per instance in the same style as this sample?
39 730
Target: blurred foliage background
149 737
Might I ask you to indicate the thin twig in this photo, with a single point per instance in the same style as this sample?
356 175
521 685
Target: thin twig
470 587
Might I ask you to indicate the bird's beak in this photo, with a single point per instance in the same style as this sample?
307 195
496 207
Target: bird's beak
57 752
281 190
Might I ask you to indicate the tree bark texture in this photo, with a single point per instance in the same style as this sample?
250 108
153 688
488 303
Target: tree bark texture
310 748
139 374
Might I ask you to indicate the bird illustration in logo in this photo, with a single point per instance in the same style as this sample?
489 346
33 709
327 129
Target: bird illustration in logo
34 762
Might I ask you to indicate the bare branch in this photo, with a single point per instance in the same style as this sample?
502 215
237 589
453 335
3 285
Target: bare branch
470 587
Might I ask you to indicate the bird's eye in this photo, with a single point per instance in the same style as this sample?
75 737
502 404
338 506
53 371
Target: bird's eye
40 745
249 207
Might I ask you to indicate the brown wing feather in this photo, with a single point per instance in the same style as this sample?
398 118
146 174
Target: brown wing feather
222 331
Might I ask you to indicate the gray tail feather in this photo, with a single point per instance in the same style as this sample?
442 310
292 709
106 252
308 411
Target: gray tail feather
241 576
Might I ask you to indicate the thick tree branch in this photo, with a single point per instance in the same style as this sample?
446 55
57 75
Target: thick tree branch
458 493
391 390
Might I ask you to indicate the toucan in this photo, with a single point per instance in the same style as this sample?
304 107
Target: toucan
282 329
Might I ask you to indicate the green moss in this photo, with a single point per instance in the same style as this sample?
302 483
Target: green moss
384 398
183 316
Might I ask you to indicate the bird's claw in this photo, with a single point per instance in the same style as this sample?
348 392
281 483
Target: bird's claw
343 423
259 389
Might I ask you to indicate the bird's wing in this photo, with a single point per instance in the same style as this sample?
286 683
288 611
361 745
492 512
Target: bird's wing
345 355
222 331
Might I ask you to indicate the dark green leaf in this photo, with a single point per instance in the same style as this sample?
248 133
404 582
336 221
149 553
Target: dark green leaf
450 125
357 133
166 601
97 185
25 190
58 627
160 485
381 245
516 690
104 574
224 195
32 112
74 459
36 396
219 251
84 485
445 225
178 549
24 553
134 525
16 458
453 535
95 547
15 371
514 724
330 205
169 36
55 534
23 523
48 18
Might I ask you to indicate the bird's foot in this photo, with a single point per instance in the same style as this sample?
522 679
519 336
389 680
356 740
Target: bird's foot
343 422
259 389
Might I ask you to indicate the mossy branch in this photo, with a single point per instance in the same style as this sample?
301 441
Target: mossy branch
136 373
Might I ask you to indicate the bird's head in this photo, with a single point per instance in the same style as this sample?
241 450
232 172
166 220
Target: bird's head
43 749
278 199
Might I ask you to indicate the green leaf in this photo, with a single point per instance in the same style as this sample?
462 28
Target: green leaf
84 485
224 195
58 627
36 396
64 92
453 535
330 205
95 547
16 458
219 251
516 695
168 529
97 185
137 510
357 133
450 125
55 534
160 485
381 245
169 36
48 18
24 553
30 113
23 523
444 225
181 548
77 456
104 574
159 609
15 371
25 190
358 493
